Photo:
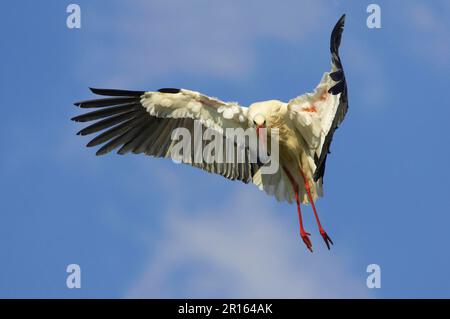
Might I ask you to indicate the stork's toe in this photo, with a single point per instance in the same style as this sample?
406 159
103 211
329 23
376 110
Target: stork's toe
326 238
307 240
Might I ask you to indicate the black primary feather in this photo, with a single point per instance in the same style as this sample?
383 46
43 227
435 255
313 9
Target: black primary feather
113 92
121 122
95 115
169 90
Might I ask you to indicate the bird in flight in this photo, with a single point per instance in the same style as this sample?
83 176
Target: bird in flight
143 122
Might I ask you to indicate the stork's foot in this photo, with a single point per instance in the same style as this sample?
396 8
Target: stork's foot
306 240
326 238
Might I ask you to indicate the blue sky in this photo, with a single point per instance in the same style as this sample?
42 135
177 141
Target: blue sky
141 227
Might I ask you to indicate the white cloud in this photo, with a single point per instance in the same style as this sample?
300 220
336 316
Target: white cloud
367 69
431 29
218 38
242 249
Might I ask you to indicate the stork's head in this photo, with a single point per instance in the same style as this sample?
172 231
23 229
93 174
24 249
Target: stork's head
263 114
259 120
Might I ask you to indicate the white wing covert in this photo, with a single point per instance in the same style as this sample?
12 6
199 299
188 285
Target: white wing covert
317 115
180 103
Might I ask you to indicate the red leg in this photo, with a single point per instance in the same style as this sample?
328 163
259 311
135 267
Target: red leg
325 236
303 233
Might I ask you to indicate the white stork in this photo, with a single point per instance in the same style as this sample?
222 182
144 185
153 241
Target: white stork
142 122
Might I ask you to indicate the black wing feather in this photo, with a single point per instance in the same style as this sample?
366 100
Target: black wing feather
113 92
126 124
169 90
104 102
108 122
340 87
105 112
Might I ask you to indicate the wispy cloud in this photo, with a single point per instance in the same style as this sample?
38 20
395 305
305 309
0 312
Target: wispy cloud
367 68
160 38
241 249
431 25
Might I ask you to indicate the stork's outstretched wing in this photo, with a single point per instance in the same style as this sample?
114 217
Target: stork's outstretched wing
143 122
317 115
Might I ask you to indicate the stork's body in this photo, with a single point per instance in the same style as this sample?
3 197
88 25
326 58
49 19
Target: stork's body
293 150
143 122
294 158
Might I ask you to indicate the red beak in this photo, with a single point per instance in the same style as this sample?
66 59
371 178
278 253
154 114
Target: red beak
261 137
258 128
